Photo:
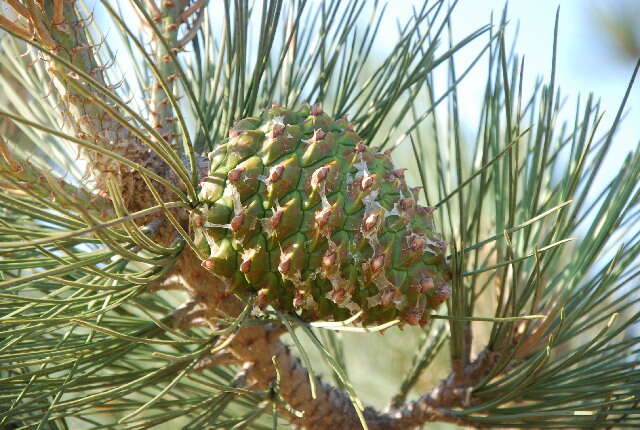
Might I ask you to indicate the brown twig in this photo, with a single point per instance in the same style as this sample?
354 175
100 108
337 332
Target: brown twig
18 8
58 12
257 348
14 28
198 6
41 30
193 30
333 408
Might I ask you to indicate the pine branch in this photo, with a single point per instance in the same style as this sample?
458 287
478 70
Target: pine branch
92 279
93 113
269 361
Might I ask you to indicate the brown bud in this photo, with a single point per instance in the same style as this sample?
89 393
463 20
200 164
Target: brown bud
276 106
439 295
425 210
398 173
319 175
316 110
387 296
371 221
405 204
208 263
319 134
262 300
276 173
329 259
413 317
245 266
426 284
417 243
285 264
338 295
235 174
277 130
198 220
377 263
236 222
298 300
360 147
233 133
367 181
277 218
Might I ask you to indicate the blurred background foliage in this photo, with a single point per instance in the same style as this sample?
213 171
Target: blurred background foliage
617 22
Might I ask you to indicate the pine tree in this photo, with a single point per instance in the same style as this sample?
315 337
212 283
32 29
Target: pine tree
110 314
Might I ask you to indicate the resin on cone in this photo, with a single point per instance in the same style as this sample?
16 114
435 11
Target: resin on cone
297 210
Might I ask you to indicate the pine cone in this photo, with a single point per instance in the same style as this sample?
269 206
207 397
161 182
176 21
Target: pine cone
298 210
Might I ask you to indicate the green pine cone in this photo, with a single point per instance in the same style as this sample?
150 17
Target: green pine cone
298 210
